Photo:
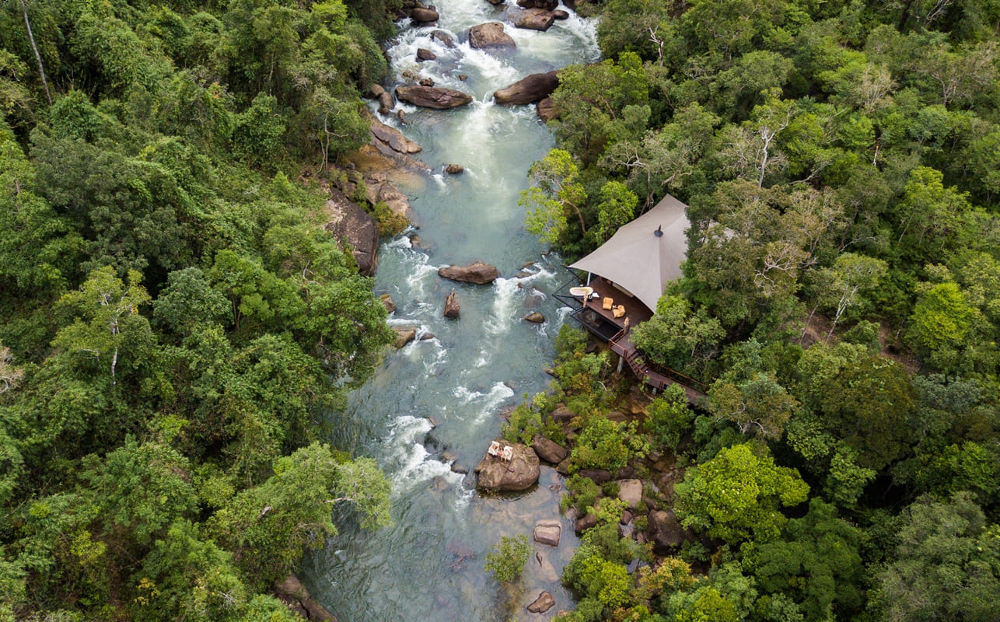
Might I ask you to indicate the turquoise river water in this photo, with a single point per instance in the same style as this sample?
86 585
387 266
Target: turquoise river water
428 566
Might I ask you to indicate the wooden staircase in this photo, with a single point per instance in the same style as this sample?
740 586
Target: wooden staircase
622 345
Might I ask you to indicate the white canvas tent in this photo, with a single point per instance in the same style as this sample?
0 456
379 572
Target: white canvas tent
644 254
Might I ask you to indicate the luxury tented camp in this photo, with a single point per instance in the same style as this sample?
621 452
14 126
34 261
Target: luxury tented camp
625 277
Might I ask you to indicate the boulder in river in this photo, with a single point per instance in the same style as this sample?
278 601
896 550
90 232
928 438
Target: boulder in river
445 38
351 225
535 19
423 15
454 169
546 110
478 272
388 303
520 473
496 2
386 101
393 138
548 5
535 318
451 306
436 97
529 89
547 532
548 450
404 335
543 603
490 36
425 54
560 14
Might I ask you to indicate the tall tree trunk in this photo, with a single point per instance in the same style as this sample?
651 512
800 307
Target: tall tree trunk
34 47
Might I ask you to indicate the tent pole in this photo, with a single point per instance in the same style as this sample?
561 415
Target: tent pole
588 279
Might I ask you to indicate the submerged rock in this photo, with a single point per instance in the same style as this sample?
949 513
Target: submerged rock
520 473
451 306
478 272
490 36
529 89
445 38
436 97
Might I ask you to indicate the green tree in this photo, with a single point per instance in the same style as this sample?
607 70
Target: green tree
678 336
737 495
816 562
555 196
268 526
945 563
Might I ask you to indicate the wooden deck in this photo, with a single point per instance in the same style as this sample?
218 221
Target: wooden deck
621 344
635 311
604 325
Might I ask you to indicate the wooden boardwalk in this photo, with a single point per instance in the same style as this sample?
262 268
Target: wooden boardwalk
621 344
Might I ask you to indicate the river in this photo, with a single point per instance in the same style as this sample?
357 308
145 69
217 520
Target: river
428 566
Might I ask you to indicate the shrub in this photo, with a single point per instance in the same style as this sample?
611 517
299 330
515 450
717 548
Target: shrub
670 417
507 558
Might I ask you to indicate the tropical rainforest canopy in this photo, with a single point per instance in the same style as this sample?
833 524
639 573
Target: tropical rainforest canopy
840 299
175 322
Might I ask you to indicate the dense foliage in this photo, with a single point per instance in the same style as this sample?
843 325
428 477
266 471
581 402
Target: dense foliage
175 325
840 162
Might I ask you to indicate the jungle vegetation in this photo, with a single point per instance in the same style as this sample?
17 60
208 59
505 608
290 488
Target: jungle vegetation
841 163
175 325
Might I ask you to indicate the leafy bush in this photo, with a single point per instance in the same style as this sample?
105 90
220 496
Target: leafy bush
605 444
670 417
507 558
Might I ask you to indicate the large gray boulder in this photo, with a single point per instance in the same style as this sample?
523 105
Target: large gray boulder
520 473
490 36
479 273
386 102
535 19
353 227
630 491
665 531
548 5
547 532
543 603
436 97
546 110
393 138
423 15
529 89
549 450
